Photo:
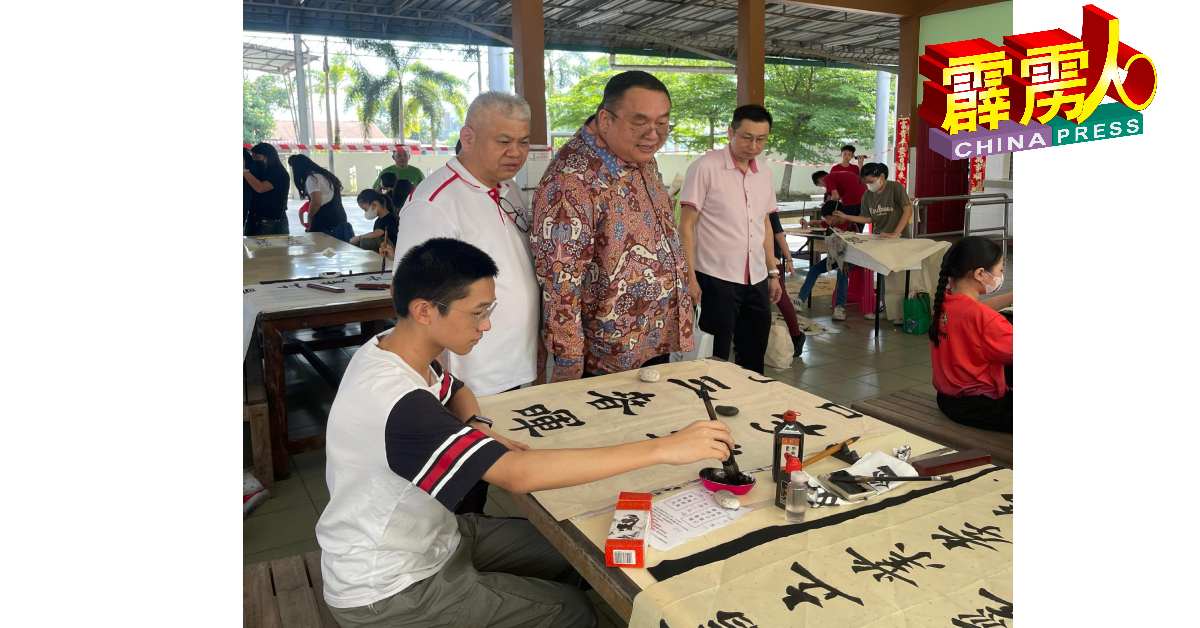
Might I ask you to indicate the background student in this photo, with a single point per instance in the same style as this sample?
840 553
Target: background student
378 207
269 182
972 342
324 193
887 208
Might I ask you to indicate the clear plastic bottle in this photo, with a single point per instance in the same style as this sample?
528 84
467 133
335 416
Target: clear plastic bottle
797 496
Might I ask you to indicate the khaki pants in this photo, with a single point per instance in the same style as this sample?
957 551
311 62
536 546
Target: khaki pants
499 576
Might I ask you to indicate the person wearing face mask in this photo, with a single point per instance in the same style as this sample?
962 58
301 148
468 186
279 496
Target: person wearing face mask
726 199
269 184
376 207
887 208
972 343
614 276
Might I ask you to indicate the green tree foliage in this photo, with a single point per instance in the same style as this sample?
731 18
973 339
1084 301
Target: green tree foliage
431 93
369 94
701 108
260 98
816 110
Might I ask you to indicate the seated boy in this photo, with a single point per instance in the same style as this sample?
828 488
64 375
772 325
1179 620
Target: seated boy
405 443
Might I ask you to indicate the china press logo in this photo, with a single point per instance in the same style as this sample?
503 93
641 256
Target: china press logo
1037 90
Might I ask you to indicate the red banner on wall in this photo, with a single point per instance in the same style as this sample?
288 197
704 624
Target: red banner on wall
977 174
903 125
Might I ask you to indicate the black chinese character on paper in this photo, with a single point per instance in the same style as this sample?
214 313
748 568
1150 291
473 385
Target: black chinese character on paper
765 380
892 565
543 419
799 594
809 430
619 400
709 383
247 290
986 617
727 619
970 536
1004 509
839 410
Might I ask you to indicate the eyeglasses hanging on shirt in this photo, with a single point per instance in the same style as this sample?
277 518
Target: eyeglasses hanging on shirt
515 214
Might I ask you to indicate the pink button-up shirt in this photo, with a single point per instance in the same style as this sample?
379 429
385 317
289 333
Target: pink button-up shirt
733 210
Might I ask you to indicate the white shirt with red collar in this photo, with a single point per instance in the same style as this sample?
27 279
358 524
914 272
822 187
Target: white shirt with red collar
452 203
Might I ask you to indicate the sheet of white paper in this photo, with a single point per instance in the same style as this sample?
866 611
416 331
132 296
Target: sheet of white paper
687 515
879 463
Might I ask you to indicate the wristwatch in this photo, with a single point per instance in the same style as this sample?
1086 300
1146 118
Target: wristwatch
773 273
482 419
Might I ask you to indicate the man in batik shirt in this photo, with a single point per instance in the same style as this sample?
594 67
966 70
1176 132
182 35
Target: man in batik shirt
613 275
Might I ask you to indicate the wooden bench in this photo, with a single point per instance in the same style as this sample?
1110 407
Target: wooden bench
256 413
917 411
285 593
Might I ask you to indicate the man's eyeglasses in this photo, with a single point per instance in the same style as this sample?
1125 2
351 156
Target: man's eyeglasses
514 214
478 316
640 127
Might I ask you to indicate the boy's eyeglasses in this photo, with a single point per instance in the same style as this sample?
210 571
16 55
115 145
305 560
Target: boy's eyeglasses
479 316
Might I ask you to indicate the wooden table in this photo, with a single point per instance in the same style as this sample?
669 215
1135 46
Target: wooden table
579 538
275 260
298 257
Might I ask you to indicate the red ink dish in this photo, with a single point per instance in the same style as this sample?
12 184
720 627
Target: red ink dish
715 479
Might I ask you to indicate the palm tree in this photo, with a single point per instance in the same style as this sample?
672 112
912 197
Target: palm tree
400 62
369 94
339 72
432 91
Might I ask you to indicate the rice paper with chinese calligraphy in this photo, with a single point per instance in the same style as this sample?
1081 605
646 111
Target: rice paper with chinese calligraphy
619 408
920 555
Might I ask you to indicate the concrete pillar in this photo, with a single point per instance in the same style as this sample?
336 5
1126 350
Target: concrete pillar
751 52
302 94
497 70
529 52
883 88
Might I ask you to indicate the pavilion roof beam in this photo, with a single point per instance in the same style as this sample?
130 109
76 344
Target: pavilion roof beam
479 29
700 51
894 8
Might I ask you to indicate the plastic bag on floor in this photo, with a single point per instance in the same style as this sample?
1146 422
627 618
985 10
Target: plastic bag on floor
779 346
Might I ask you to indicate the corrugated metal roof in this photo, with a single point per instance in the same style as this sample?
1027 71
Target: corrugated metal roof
681 28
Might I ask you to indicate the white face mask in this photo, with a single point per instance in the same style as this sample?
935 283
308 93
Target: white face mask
369 213
994 285
875 187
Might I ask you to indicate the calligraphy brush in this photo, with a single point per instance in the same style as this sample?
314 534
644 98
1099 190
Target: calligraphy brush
730 465
861 479
830 450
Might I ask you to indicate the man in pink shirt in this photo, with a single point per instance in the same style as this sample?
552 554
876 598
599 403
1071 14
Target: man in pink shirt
726 200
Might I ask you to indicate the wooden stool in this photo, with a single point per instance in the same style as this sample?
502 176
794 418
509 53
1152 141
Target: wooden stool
285 593
917 411
260 442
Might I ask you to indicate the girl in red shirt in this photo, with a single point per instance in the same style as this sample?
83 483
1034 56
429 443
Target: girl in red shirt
972 342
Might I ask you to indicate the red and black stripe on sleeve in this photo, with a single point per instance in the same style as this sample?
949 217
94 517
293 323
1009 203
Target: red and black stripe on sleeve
431 448
449 383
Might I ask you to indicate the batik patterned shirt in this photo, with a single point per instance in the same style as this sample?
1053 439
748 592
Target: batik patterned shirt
608 259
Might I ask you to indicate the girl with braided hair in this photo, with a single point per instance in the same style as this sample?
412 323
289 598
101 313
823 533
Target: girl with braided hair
972 342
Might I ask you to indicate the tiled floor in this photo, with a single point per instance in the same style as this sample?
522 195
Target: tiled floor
844 365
